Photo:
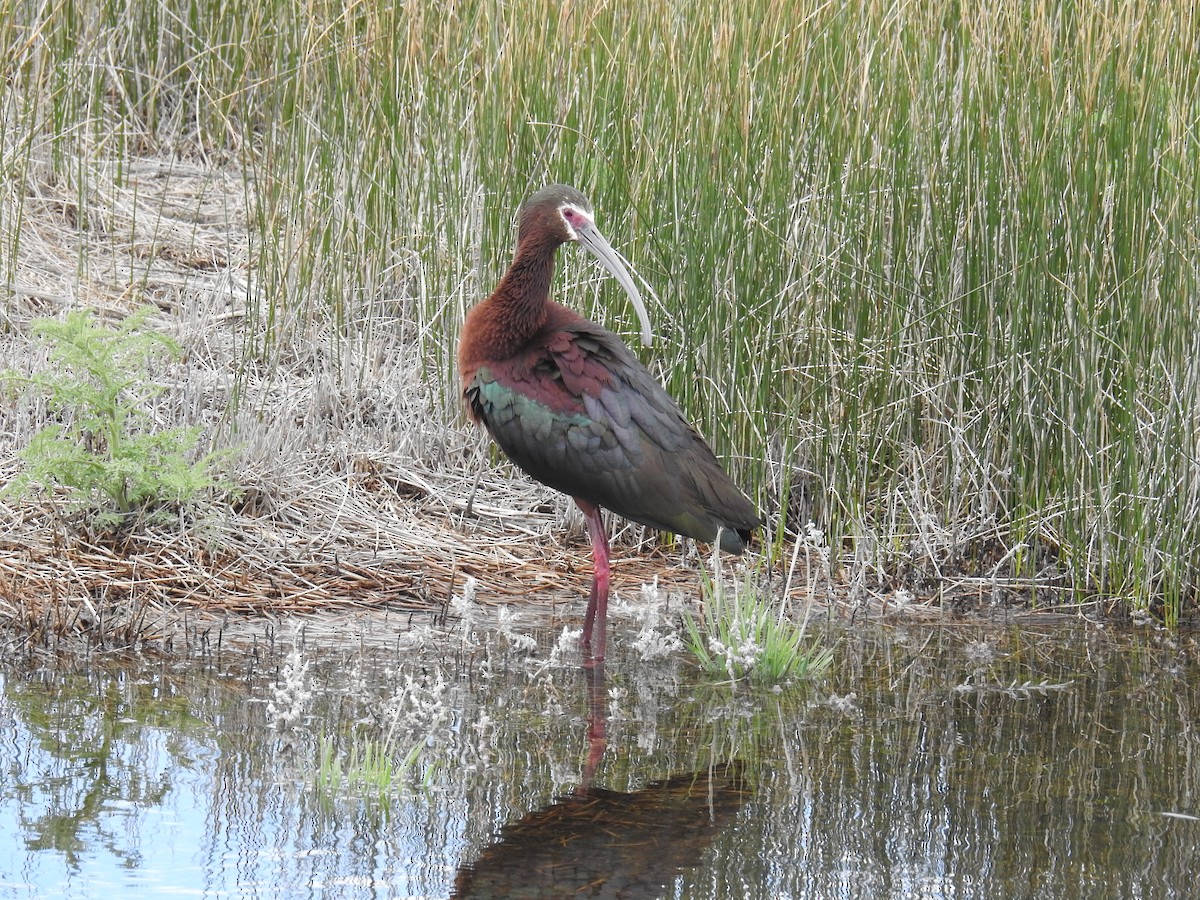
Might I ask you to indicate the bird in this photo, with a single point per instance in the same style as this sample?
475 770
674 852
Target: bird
571 404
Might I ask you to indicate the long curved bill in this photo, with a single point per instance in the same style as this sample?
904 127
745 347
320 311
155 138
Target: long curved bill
591 238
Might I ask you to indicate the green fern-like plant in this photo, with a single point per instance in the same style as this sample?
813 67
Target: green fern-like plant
105 448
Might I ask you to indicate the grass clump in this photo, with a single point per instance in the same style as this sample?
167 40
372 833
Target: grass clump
105 447
744 634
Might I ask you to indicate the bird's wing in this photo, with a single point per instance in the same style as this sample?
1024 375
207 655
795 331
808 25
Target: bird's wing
580 413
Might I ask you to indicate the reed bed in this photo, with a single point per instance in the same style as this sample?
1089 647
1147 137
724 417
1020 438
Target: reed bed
925 274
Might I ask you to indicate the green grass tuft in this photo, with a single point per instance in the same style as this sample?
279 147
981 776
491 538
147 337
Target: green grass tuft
743 634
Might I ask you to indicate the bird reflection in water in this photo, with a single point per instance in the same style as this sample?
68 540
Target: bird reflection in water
601 843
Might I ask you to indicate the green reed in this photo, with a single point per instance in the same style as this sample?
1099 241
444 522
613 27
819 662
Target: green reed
926 274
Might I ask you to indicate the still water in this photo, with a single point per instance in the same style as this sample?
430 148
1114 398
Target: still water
968 761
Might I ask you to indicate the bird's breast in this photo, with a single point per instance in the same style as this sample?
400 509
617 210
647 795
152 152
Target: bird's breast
530 394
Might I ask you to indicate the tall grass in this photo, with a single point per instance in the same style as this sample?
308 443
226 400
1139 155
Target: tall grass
926 273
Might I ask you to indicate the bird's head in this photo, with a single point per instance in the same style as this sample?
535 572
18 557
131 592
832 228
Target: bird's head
560 214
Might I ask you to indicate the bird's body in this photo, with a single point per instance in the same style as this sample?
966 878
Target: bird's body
570 404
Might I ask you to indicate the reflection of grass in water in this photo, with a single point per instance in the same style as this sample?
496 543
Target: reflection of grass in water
369 766
368 762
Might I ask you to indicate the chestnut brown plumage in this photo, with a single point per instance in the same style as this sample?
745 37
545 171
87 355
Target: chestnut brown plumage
572 406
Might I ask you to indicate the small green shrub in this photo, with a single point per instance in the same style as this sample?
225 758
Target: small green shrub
105 447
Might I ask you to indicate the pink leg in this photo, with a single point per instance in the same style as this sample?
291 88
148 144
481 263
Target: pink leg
597 724
597 610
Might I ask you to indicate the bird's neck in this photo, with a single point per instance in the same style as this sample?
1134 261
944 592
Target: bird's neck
517 308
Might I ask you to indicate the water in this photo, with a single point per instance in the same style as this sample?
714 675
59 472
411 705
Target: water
930 762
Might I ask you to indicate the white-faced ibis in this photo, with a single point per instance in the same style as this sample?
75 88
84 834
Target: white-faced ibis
572 406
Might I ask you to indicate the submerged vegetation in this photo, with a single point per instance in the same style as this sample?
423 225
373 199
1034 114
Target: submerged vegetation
926 274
